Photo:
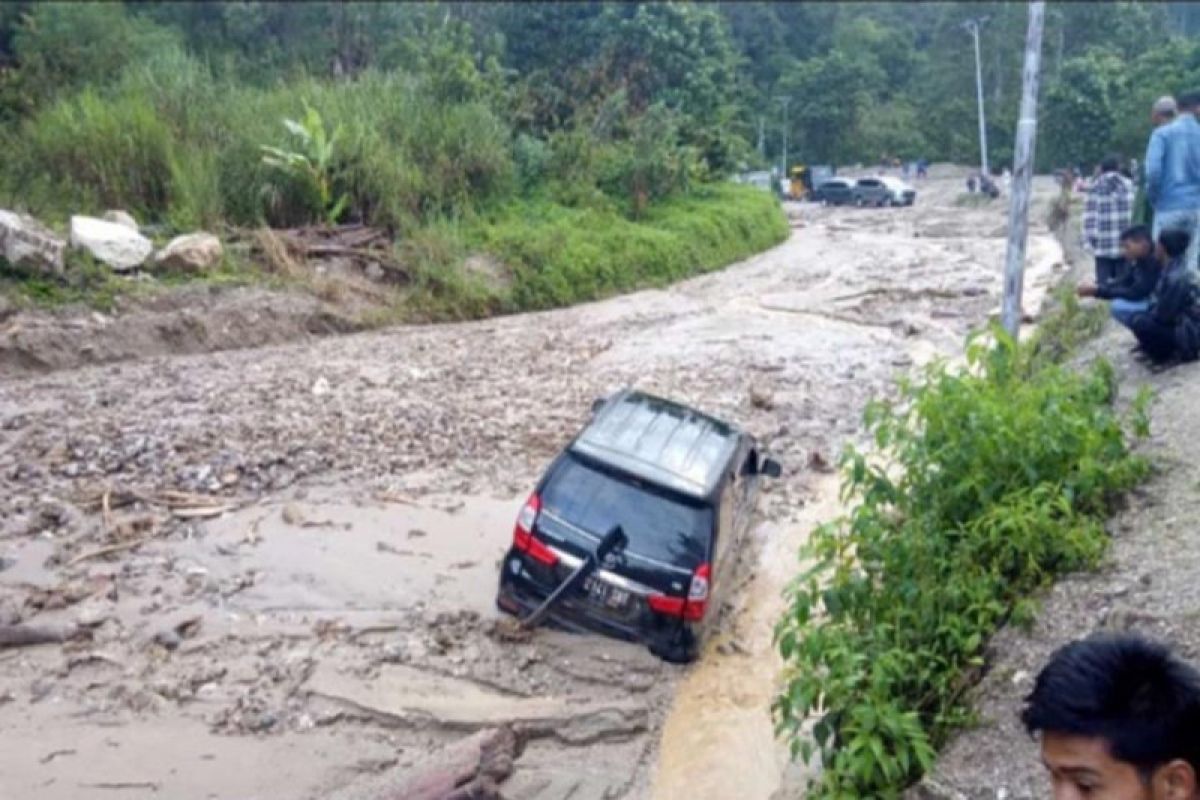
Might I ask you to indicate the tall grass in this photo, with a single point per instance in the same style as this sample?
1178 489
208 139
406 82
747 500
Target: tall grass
571 218
174 145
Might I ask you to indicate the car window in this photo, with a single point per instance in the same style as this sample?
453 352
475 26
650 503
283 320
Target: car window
868 183
657 524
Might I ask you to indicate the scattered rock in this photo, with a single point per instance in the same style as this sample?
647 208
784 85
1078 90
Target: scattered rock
320 387
27 244
761 398
818 463
123 218
94 612
192 252
110 243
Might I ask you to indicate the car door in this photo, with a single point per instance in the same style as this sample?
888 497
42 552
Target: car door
746 491
726 541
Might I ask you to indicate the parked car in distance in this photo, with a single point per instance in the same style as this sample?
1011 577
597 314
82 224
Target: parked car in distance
901 193
883 191
682 487
834 192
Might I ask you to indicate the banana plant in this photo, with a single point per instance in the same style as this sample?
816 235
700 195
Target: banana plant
313 159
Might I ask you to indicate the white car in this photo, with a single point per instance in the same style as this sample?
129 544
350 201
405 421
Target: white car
883 191
901 194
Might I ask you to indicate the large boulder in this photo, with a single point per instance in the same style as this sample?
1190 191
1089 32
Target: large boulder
110 243
192 252
122 218
26 243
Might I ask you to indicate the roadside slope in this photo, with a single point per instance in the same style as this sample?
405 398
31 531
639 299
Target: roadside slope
1147 585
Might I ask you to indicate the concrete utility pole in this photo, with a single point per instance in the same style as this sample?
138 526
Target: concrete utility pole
1018 209
784 101
972 25
762 137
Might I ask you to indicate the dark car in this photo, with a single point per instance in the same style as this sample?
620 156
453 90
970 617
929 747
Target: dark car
681 487
834 192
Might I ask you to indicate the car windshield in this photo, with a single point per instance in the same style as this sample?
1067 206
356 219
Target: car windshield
658 525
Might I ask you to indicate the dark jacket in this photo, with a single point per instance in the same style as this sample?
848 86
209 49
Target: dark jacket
1138 284
1174 306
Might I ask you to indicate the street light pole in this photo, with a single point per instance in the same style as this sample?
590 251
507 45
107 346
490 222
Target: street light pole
972 25
784 101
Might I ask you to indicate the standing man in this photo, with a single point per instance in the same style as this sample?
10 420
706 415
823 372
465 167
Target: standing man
1106 212
1119 719
1162 112
1173 175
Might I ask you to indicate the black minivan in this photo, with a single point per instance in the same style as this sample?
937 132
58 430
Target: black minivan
679 484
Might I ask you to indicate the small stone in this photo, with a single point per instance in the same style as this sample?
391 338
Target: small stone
320 387
168 639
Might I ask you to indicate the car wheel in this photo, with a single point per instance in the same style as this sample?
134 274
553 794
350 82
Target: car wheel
683 649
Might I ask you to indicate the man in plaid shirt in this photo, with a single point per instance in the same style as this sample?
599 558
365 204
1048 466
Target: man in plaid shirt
1107 212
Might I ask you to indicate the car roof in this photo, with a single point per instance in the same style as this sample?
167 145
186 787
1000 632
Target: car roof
660 441
891 180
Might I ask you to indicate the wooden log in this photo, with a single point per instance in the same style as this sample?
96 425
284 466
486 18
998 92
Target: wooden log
22 635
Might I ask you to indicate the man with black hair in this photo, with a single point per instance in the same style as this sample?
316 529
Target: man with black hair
1107 211
1119 719
1173 174
1140 273
1170 327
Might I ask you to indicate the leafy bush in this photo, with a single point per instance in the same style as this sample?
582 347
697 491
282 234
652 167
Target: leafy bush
989 483
310 165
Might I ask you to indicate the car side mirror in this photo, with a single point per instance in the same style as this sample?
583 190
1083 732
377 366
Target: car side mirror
771 468
598 404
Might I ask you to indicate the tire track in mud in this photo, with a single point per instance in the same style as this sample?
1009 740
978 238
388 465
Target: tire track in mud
375 478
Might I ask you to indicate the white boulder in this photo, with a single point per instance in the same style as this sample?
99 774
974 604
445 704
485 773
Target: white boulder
26 243
192 252
121 218
110 243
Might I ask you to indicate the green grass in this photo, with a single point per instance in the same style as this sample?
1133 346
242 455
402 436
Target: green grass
92 285
560 255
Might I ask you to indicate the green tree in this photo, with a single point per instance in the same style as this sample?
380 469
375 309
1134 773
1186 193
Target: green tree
1080 109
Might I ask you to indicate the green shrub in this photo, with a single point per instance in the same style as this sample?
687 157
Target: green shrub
563 255
989 483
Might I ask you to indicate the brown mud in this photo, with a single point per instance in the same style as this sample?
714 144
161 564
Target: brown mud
276 565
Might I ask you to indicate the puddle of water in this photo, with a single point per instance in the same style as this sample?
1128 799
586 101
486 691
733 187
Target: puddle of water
24 563
336 555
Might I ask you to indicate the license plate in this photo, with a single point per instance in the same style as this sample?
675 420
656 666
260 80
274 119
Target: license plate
604 594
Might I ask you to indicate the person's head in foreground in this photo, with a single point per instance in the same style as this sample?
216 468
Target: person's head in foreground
1163 110
1172 244
1189 102
1136 243
1119 719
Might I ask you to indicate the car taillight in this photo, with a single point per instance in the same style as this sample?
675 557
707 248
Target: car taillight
692 607
665 604
697 602
523 538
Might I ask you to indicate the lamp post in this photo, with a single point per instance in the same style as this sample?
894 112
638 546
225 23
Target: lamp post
784 101
972 26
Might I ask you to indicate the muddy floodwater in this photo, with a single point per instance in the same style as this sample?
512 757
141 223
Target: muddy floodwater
277 566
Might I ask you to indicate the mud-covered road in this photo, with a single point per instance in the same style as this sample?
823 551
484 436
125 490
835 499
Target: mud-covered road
277 566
